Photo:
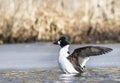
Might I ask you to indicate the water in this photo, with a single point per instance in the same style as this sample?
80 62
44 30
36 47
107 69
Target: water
91 75
37 63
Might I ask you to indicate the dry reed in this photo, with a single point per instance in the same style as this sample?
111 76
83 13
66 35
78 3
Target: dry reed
85 21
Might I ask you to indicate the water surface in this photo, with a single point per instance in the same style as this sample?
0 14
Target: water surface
37 63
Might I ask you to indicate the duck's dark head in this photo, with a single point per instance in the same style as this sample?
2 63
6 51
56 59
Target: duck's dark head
62 41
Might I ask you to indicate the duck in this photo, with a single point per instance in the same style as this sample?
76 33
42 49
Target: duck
75 62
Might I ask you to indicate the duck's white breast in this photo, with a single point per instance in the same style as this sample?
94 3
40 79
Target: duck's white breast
64 63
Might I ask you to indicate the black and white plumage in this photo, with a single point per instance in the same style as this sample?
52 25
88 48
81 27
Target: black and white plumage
75 62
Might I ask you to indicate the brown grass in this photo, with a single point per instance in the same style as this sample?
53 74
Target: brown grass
85 21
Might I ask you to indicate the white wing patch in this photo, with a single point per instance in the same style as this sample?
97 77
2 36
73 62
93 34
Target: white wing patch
82 61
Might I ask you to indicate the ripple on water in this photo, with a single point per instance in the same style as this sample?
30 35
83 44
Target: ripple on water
91 75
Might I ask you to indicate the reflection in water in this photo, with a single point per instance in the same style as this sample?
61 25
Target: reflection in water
67 78
71 78
91 75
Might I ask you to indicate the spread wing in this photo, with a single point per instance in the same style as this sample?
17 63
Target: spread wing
78 57
90 51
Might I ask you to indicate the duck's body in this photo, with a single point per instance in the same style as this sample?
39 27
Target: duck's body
75 62
64 63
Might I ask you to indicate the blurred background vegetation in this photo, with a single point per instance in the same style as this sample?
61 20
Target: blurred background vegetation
84 21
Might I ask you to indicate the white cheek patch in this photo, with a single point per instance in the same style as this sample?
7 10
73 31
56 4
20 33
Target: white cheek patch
59 42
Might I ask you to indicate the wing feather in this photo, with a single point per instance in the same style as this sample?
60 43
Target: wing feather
90 51
79 55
